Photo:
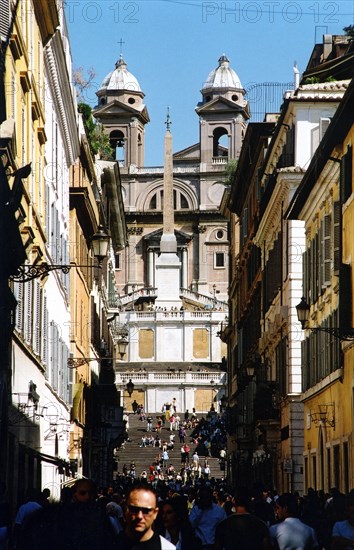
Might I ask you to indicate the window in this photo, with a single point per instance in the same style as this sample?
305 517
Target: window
118 261
219 234
180 201
336 466
219 260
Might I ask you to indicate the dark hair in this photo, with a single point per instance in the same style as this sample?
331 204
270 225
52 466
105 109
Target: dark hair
178 505
242 497
287 500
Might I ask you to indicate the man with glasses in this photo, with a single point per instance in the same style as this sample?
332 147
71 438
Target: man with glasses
141 512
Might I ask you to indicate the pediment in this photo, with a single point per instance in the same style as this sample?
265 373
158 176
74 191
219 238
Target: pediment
116 108
189 153
220 104
154 237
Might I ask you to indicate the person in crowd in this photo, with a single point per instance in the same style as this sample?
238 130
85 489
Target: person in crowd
141 512
343 531
114 514
176 526
182 434
45 496
242 530
165 458
135 406
149 423
30 506
291 533
205 516
75 525
187 450
195 459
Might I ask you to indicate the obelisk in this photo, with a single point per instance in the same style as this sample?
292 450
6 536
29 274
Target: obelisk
168 265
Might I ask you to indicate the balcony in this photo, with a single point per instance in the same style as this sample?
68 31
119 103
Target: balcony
220 160
180 377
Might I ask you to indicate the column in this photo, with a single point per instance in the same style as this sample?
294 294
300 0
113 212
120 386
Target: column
184 267
203 260
151 267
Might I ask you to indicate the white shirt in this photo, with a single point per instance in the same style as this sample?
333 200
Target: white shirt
293 534
179 542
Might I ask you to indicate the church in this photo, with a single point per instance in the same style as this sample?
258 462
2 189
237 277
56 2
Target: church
172 277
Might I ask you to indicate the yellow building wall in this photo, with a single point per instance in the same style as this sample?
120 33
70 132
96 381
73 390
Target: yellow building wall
24 85
321 438
200 343
146 343
204 398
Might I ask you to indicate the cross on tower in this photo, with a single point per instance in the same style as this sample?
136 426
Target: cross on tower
121 42
168 120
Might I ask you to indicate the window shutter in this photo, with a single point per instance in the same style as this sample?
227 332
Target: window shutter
337 236
45 329
4 19
312 263
47 212
346 172
327 256
304 274
28 312
19 309
324 123
36 317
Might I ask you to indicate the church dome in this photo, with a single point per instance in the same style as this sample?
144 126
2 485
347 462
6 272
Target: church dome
223 76
120 79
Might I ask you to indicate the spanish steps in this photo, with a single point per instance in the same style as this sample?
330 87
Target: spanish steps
143 457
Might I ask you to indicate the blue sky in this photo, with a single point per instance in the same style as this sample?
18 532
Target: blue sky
170 46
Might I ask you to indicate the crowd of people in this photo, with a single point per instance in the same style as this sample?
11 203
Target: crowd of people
134 515
207 438
181 507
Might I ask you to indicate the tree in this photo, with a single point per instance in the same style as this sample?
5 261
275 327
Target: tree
349 31
98 139
82 83
230 171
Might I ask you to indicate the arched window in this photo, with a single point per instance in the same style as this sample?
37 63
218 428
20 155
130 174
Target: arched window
220 142
116 139
180 201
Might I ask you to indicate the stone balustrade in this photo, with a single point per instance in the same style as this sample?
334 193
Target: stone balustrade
201 378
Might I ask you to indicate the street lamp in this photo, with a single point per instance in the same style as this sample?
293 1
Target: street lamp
250 369
100 243
130 387
122 345
303 314
223 402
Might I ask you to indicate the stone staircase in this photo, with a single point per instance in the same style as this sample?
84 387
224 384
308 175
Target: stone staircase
144 456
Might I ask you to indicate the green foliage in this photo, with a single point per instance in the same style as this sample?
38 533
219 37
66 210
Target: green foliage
349 31
98 139
230 171
312 80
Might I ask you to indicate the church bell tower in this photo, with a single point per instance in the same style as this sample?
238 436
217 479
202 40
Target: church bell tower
223 113
123 114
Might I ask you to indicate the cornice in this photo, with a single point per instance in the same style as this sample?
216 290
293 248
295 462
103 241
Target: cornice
271 219
61 90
